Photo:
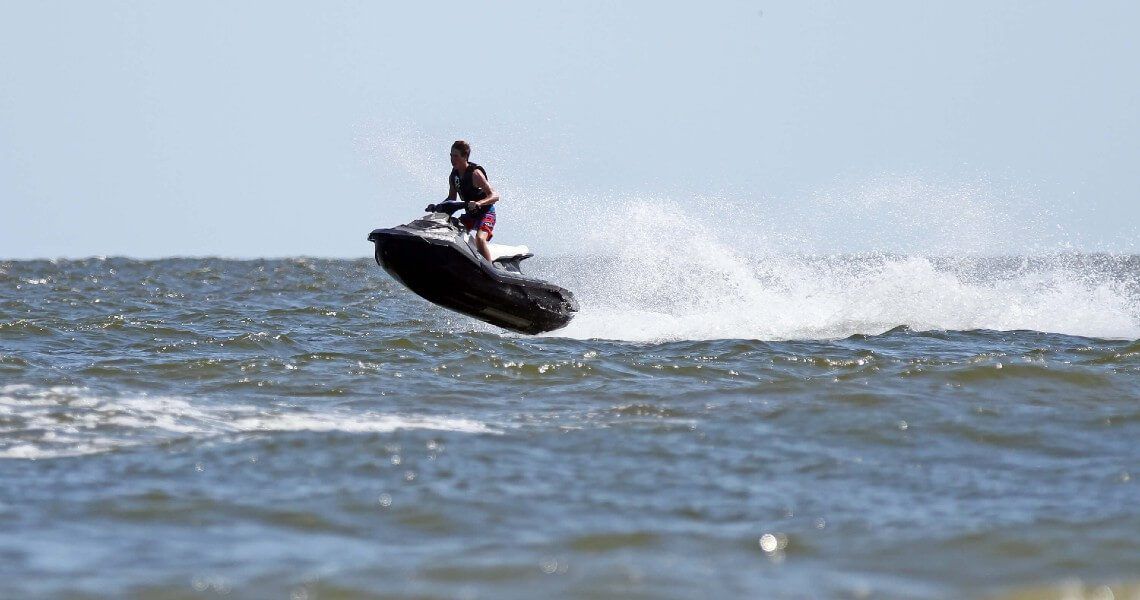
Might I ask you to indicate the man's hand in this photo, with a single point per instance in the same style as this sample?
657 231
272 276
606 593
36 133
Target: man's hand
472 206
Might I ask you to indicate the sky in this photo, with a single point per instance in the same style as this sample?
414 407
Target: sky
267 129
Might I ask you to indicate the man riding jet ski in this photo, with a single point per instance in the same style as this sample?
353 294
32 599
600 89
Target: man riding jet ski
469 181
435 258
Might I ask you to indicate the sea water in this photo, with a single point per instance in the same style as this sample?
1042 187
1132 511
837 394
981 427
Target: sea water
714 423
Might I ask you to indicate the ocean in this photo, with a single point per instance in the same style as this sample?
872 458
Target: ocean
709 426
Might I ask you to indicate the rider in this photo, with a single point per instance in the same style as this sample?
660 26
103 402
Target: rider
469 181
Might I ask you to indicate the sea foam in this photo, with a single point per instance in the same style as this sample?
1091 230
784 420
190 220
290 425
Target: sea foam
72 421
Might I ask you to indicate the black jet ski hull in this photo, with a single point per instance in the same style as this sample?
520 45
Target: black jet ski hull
443 269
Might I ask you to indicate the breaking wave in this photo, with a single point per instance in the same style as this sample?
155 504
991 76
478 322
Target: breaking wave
60 421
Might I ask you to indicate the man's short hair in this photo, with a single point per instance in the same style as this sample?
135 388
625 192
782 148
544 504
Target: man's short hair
463 147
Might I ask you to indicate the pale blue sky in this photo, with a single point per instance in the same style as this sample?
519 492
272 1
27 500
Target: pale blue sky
277 129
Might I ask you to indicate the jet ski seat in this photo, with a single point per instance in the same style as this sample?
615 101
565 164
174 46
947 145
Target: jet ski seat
508 257
502 251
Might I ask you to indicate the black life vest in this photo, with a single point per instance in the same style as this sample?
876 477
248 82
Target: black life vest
466 185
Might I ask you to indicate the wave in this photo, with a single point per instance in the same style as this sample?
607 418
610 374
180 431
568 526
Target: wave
63 421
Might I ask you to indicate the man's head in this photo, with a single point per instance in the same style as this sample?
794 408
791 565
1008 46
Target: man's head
460 152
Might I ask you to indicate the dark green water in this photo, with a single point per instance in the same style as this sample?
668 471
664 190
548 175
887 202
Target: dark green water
856 428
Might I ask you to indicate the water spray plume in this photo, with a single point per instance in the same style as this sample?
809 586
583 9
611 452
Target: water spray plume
928 253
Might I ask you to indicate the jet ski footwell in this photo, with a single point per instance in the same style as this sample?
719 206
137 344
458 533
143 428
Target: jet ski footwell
433 259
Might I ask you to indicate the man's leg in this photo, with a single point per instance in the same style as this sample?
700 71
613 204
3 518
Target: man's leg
481 244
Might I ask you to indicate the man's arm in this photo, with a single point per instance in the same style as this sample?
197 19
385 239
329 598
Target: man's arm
480 181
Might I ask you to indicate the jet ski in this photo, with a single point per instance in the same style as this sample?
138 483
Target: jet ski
434 257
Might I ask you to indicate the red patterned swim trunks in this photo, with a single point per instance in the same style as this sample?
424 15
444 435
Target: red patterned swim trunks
484 222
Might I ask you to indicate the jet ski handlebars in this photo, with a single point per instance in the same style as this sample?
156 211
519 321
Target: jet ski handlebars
447 207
